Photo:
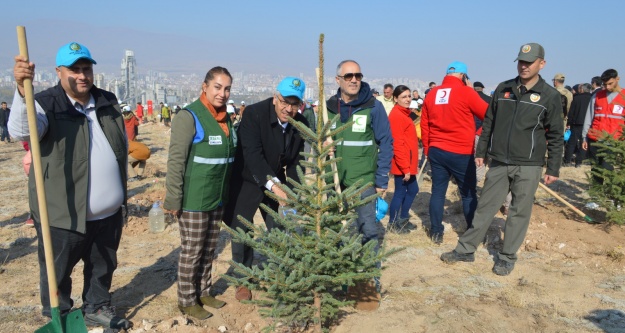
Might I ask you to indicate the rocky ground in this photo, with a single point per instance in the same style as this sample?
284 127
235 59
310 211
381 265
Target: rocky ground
570 276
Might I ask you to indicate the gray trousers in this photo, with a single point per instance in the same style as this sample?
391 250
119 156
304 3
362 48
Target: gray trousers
522 182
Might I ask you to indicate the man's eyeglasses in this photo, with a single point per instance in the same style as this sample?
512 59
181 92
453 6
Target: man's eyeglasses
350 76
284 104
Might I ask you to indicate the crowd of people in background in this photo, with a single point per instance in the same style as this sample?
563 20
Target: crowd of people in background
222 162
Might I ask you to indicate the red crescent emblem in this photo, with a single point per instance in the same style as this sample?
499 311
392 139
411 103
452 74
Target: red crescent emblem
444 93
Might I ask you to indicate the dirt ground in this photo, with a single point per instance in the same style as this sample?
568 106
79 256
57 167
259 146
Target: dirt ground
570 276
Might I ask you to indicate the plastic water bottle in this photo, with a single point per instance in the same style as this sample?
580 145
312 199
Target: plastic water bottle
156 219
286 210
592 205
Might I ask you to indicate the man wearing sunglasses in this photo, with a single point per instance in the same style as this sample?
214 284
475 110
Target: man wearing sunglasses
268 146
367 146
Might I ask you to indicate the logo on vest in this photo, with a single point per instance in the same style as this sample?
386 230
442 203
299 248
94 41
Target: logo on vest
214 140
618 109
442 96
360 123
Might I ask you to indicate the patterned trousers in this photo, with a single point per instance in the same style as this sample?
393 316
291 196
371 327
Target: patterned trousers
199 232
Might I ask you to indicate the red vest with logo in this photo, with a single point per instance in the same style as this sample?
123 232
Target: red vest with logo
608 116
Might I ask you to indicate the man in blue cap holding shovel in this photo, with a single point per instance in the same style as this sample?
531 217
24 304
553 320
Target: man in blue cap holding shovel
83 153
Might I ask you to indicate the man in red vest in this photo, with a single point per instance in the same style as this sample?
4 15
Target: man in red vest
604 116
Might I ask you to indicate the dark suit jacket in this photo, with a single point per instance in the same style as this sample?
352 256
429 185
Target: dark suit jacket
486 98
579 108
262 150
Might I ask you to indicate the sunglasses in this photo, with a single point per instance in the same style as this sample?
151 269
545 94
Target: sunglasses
350 76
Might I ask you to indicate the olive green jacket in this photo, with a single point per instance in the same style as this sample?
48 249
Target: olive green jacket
65 155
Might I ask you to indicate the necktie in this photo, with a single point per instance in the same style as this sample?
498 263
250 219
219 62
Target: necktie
284 138
523 90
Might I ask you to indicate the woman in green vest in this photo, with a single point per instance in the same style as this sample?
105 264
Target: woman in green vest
201 152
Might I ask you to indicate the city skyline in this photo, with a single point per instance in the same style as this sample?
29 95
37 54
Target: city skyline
408 39
180 89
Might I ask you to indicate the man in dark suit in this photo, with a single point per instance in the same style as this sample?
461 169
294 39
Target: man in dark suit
269 147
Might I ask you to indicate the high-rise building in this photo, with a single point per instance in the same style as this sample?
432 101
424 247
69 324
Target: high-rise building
98 80
128 85
309 93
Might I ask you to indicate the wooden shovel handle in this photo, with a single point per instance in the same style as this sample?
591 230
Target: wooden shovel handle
573 208
36 156
420 177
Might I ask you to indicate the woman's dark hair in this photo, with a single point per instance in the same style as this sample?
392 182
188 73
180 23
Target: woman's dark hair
399 90
216 71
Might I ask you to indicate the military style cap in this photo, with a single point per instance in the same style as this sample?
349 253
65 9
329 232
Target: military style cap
530 52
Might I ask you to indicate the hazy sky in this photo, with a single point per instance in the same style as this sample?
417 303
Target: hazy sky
413 39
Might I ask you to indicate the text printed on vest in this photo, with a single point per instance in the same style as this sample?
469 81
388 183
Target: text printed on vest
214 140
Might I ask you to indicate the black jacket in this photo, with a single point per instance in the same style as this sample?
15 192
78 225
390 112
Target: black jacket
263 150
485 98
519 130
579 108
4 116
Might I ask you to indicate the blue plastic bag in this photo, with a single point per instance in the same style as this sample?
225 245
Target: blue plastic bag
381 207
567 135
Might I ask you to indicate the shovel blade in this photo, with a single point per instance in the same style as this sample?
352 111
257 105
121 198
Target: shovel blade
72 322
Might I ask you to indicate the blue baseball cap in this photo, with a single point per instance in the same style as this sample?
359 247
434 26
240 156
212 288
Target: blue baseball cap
292 86
70 53
457 67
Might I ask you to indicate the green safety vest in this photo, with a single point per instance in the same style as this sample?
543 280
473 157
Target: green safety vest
358 150
209 165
